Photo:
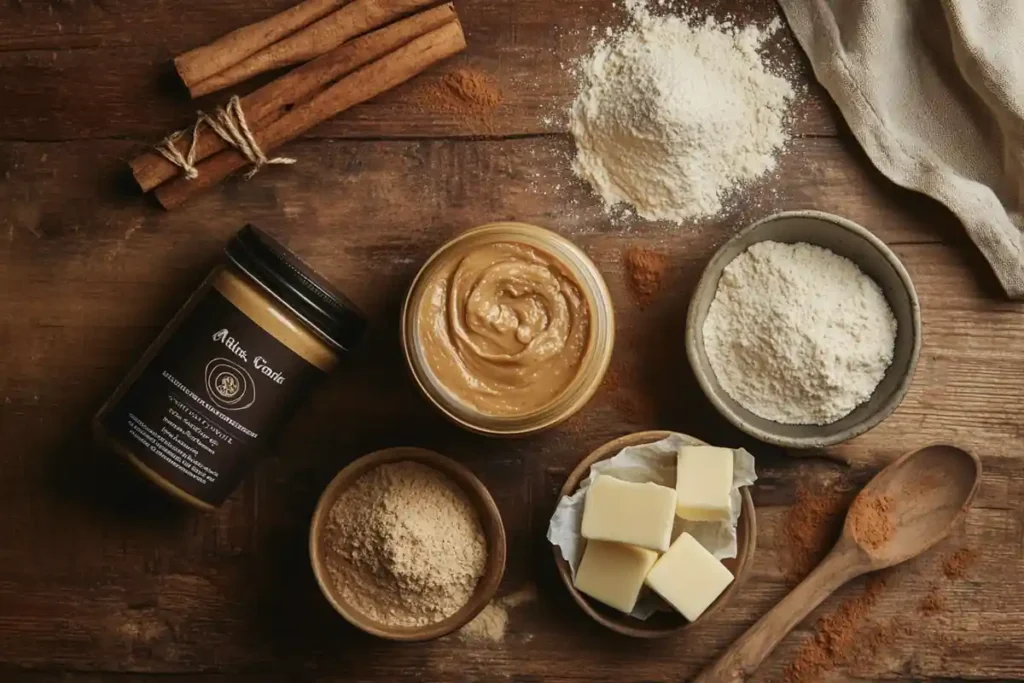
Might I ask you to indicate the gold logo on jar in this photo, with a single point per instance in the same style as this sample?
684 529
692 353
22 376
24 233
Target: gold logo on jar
229 385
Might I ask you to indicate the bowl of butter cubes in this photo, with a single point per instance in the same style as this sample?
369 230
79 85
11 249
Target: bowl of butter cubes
655 531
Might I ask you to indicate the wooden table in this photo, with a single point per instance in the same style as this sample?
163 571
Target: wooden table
101 579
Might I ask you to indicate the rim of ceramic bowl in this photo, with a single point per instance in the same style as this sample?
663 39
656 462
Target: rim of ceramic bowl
703 371
481 500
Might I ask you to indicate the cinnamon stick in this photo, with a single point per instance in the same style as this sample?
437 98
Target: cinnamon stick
272 100
361 85
199 64
301 44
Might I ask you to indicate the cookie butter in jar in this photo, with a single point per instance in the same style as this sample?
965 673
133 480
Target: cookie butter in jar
204 401
508 329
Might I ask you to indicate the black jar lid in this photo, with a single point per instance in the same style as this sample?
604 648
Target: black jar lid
309 296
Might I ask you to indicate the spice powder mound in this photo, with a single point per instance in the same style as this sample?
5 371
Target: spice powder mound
958 564
404 545
933 602
465 92
645 269
835 640
811 526
870 520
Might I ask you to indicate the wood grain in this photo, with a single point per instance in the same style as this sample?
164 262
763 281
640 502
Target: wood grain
124 83
101 579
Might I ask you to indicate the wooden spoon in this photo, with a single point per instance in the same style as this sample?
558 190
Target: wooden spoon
928 492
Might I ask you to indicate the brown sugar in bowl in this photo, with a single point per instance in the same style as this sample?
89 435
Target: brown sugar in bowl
660 624
479 498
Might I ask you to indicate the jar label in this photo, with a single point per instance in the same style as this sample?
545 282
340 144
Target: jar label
206 405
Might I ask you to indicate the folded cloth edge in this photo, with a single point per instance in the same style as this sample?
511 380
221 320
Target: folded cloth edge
987 222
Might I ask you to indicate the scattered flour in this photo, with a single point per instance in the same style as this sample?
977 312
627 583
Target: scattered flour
797 334
492 622
673 114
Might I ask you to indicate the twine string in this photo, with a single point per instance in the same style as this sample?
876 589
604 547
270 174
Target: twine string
228 123
168 149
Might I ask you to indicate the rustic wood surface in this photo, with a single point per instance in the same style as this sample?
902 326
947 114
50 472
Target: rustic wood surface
101 579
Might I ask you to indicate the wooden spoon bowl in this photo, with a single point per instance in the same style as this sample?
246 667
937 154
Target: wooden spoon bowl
663 623
927 493
479 498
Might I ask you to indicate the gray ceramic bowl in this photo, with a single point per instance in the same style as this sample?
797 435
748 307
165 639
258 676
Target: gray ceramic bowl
847 239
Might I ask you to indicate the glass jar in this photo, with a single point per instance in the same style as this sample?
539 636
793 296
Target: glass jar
507 309
206 398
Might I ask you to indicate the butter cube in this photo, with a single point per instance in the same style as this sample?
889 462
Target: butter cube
625 512
614 573
688 577
703 483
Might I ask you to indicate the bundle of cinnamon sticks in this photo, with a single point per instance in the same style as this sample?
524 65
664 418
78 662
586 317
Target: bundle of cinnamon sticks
356 66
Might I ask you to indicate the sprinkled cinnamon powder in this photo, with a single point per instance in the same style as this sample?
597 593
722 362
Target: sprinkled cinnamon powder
835 638
636 408
933 603
464 92
870 641
645 269
870 520
612 380
810 528
958 564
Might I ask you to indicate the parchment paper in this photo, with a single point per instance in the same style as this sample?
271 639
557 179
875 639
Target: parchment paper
651 462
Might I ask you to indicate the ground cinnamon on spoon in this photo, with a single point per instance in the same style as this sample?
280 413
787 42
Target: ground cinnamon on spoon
870 520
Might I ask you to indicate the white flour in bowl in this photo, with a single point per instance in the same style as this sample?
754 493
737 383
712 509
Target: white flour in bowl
797 334
673 114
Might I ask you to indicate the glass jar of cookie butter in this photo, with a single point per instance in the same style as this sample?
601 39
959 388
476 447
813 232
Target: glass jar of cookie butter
508 329
203 403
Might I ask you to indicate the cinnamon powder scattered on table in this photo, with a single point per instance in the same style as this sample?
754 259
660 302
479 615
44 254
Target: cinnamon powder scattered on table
645 268
810 527
839 638
870 520
835 639
612 380
463 92
954 568
637 408
933 603
958 564
871 641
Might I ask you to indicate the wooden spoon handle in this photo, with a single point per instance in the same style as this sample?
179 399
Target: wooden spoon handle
754 646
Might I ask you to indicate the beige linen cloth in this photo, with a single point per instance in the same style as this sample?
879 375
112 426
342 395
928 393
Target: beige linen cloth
934 92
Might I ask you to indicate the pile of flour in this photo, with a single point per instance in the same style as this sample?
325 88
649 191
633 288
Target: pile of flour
797 334
672 114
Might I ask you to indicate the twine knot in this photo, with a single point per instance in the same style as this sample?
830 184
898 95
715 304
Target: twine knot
229 124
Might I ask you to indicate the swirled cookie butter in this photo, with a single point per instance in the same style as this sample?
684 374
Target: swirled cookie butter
207 397
504 328
508 328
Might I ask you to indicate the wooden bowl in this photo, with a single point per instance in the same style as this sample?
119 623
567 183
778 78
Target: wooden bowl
842 237
662 623
490 520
